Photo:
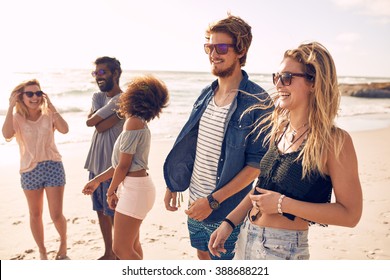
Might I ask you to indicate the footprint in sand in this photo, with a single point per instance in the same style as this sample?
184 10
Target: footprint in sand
385 215
151 240
18 257
373 254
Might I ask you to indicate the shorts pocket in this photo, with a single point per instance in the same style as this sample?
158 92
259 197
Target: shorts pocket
276 249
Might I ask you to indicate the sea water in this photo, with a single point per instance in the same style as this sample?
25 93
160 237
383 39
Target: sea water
71 90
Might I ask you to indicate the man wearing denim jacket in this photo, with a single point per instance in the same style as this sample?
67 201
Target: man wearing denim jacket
215 155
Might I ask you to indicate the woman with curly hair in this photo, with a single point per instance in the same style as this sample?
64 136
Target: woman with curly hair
308 157
132 192
33 124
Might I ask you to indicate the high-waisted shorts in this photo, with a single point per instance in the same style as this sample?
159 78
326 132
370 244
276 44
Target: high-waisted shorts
264 243
136 196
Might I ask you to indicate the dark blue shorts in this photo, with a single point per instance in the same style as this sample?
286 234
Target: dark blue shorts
45 174
200 235
99 197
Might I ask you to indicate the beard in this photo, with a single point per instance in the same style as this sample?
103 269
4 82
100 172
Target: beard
108 84
227 72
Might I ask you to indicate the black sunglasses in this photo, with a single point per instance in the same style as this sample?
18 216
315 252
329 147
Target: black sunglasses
99 72
31 93
219 48
286 77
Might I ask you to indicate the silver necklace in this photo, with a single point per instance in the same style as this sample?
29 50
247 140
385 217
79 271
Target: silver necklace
292 143
295 131
224 100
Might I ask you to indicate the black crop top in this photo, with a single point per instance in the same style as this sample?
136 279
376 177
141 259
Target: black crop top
283 173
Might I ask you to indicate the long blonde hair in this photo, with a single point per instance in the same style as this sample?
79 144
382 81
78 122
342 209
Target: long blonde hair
20 107
324 136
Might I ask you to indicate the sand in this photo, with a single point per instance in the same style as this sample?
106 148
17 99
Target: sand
164 234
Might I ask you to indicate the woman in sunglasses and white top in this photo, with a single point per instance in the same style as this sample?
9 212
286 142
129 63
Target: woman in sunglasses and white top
33 124
308 157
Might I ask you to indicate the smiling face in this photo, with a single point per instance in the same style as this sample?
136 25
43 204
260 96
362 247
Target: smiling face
223 65
105 81
34 102
296 95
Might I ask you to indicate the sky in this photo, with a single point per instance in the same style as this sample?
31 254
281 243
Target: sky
169 34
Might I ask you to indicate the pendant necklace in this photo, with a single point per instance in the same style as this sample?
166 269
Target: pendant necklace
292 143
295 131
223 101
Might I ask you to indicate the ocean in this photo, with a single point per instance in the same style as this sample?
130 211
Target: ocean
71 90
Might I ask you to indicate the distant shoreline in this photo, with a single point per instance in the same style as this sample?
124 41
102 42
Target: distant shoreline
368 90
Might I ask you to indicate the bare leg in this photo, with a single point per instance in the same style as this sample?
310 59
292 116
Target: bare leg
106 224
126 237
203 255
55 196
35 207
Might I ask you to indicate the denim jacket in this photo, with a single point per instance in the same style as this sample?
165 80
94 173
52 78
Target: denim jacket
238 148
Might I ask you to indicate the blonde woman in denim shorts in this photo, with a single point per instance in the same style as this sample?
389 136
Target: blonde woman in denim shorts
309 157
33 124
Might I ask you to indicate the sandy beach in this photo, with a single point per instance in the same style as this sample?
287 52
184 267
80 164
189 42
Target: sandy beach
164 234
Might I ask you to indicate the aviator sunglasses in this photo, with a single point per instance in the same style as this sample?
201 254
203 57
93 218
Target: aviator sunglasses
219 48
286 77
99 72
31 93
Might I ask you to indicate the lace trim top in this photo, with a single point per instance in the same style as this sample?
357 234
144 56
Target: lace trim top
283 173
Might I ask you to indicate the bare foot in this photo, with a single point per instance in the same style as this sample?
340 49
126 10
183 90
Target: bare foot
62 250
107 257
62 258
43 256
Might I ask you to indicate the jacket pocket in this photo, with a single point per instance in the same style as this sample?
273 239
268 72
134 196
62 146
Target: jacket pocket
237 133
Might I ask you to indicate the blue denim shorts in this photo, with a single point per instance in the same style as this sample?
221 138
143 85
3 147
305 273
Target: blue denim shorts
264 243
45 174
99 197
200 235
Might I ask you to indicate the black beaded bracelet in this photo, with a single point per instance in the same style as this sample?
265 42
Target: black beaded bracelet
229 222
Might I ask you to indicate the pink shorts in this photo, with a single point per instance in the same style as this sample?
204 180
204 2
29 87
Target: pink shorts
136 196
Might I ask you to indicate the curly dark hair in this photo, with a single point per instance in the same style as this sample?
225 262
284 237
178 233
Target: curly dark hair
145 97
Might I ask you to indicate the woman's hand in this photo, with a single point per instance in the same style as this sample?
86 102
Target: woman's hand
218 239
14 98
50 105
266 201
112 201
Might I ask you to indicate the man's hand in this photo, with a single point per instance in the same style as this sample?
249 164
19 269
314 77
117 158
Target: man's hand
171 200
199 209
90 187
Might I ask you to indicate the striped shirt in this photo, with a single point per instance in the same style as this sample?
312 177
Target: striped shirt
208 150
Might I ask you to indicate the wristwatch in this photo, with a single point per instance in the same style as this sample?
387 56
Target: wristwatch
214 204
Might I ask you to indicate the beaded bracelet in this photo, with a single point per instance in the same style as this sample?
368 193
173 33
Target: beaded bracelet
280 204
229 222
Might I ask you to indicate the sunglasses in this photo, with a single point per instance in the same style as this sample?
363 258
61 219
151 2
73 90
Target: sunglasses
286 77
31 93
99 72
219 48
